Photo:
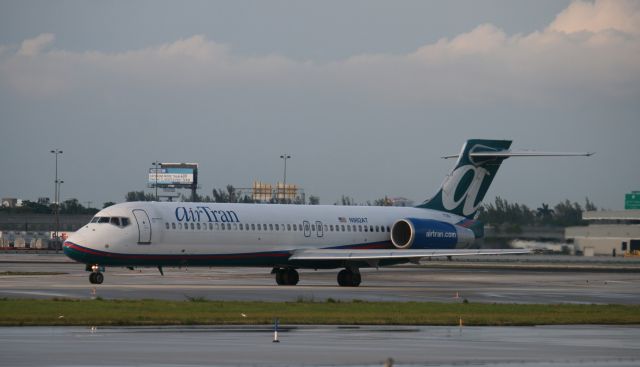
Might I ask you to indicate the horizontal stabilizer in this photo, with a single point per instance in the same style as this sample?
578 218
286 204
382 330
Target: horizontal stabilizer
521 153
364 255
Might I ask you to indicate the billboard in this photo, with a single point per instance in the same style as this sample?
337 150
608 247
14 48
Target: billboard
173 175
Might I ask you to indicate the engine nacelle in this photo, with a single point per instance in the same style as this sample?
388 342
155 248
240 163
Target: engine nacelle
427 234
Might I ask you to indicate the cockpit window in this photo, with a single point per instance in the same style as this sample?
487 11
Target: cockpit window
116 221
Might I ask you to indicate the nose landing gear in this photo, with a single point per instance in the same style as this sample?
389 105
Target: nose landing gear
96 276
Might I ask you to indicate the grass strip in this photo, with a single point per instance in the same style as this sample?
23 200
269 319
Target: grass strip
66 312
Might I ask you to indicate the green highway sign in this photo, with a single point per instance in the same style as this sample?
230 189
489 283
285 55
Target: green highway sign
632 200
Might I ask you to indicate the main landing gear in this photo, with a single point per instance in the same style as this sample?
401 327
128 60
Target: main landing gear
286 276
349 278
96 277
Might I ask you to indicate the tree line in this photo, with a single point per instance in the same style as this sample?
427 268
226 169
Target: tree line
70 206
564 214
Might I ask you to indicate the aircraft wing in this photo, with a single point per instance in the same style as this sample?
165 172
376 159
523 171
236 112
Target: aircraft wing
364 255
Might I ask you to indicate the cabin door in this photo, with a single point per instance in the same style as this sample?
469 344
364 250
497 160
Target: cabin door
144 226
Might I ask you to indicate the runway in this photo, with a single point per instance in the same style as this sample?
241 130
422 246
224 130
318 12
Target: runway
387 284
566 346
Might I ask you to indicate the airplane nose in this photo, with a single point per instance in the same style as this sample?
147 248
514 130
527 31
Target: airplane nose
71 246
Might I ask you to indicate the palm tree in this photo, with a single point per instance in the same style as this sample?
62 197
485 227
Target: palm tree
545 214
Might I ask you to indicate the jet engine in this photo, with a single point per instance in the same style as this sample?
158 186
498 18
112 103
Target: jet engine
428 234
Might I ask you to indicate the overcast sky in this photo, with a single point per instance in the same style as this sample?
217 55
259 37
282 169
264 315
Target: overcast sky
365 95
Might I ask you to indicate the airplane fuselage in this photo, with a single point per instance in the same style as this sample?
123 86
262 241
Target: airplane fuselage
215 234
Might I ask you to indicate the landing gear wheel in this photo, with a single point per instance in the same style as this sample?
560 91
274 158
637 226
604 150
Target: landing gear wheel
280 276
292 277
96 278
349 278
287 277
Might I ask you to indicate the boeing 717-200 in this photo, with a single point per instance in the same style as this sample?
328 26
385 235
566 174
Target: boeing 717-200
290 237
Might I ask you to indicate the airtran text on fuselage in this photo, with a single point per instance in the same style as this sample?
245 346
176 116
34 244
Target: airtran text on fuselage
205 214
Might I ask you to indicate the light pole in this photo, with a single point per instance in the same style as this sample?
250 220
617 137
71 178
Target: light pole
56 193
284 183
156 166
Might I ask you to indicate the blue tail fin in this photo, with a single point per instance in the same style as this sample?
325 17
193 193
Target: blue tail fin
464 188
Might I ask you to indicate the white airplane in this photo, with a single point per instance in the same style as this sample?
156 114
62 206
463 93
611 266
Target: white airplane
290 237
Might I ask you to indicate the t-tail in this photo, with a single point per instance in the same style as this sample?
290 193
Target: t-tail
464 188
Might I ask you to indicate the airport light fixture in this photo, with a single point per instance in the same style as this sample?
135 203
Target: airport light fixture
284 183
56 193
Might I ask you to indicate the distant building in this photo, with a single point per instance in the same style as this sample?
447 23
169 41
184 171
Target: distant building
400 201
9 202
608 232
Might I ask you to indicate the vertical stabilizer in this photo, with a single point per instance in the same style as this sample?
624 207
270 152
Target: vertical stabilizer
464 188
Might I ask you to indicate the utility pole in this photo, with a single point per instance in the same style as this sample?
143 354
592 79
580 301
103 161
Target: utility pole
56 198
156 164
284 183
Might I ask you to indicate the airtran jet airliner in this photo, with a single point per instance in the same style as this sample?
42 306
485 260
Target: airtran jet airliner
290 237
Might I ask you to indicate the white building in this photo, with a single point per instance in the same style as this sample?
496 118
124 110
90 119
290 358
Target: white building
608 232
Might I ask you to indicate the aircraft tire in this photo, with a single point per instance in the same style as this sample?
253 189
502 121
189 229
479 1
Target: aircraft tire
99 278
92 278
348 278
280 277
292 277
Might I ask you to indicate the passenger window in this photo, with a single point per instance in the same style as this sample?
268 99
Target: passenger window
179 225
103 220
211 226
217 226
295 227
342 227
388 229
228 226
366 229
241 226
289 227
326 228
348 227
235 226
277 227
198 225
331 227
271 227
253 227
173 225
313 227
193 226
259 227
222 227
166 225
377 229
360 228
